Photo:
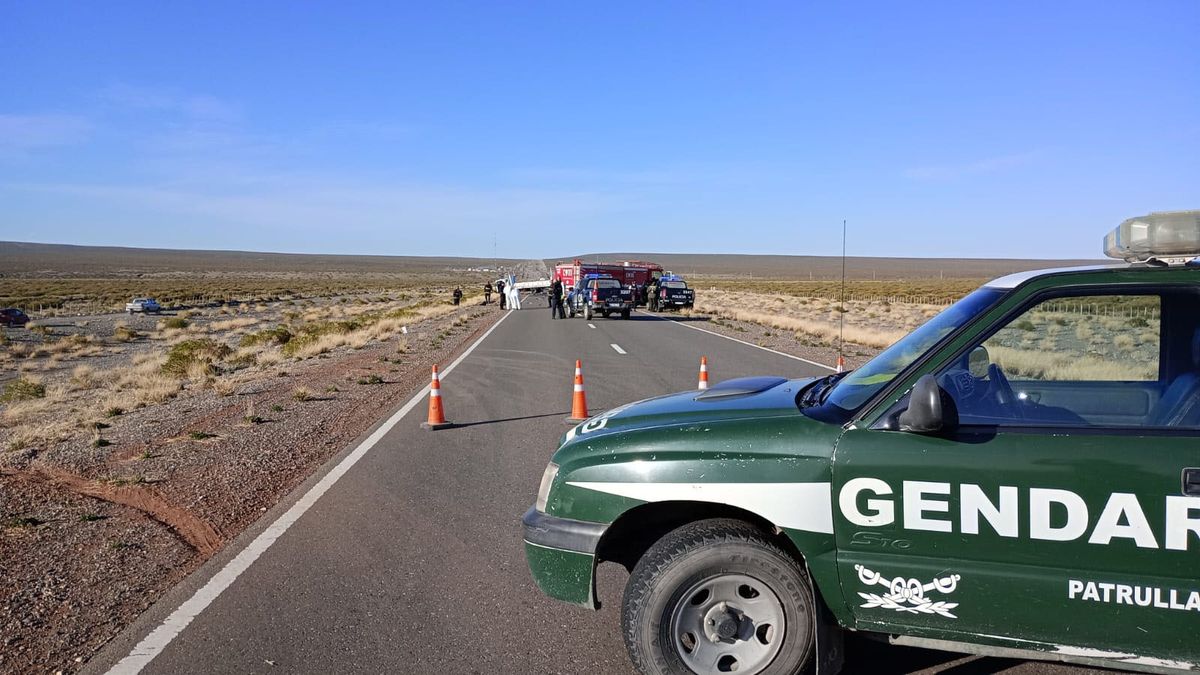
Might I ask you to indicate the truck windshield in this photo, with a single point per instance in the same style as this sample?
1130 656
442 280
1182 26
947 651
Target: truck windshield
857 387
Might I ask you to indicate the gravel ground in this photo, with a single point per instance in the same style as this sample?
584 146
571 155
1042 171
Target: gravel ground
90 537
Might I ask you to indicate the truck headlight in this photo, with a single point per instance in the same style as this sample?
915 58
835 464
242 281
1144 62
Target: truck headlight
548 477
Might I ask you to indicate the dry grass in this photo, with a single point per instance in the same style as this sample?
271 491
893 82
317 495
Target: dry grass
239 323
1065 366
870 324
77 394
83 377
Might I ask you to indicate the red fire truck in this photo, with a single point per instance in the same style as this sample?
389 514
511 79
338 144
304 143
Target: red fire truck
628 272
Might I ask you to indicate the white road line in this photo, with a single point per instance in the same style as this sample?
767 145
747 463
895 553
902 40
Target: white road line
751 344
617 349
591 325
158 639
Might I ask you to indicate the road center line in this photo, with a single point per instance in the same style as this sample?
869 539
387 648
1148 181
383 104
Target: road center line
591 325
751 344
617 348
158 639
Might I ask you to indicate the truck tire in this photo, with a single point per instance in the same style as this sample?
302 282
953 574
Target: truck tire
625 314
604 313
714 596
587 312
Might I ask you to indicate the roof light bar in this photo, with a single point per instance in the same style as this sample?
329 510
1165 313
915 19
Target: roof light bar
1162 235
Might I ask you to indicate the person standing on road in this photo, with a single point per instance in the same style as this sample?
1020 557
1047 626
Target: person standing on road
500 290
487 293
514 293
652 296
556 300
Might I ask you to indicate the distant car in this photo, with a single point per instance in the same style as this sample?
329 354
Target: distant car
143 305
12 316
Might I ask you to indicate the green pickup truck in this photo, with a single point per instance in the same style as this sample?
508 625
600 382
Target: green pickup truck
1019 477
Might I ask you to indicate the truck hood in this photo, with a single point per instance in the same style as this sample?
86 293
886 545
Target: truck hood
740 399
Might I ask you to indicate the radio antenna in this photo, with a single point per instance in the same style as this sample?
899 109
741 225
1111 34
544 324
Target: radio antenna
841 361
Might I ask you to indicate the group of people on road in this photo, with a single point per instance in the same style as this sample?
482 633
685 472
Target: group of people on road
506 290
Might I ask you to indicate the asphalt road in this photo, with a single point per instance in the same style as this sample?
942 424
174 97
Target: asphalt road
412 562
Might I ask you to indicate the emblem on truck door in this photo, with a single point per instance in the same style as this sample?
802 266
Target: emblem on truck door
908 595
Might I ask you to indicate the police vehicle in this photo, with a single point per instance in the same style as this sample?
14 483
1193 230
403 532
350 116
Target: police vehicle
1020 476
673 293
599 294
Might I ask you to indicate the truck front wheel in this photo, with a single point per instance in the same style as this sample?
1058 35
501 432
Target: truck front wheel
625 314
717 596
587 312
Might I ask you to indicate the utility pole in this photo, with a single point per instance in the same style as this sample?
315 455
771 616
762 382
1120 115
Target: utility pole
841 361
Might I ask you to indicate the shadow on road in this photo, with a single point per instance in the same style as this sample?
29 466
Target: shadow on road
681 318
562 414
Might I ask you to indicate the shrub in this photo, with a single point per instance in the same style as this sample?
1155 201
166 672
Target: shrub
1025 324
1139 322
278 335
302 394
123 333
83 377
174 322
188 353
114 412
372 379
22 389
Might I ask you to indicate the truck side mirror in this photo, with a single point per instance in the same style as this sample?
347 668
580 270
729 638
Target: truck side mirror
978 361
930 408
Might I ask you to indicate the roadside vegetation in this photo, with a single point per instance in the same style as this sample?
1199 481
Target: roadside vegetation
70 375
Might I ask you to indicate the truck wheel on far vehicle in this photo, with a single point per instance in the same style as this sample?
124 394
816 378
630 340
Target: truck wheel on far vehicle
718 596
604 313
625 314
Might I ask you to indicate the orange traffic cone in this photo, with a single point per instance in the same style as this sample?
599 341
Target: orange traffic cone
437 416
703 373
841 363
579 411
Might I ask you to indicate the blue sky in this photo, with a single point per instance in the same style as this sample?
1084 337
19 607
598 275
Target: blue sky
1011 129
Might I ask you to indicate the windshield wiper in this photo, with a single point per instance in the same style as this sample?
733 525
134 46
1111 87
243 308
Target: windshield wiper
814 391
833 379
818 391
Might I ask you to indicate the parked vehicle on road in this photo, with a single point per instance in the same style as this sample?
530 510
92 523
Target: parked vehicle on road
599 294
143 305
1020 476
673 293
11 316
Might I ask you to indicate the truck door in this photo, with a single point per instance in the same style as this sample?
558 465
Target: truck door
1063 512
